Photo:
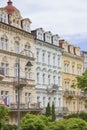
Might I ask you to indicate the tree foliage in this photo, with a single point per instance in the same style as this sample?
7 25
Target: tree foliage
48 110
32 122
3 115
53 112
75 124
82 81
81 115
40 122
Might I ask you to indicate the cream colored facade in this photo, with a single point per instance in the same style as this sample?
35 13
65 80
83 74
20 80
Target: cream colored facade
72 66
16 42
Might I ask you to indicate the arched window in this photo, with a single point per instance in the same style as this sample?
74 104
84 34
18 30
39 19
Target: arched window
3 43
16 47
38 77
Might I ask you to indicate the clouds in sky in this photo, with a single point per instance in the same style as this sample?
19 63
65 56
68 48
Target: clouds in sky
64 17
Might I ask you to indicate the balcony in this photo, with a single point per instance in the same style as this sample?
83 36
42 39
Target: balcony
81 95
26 107
61 110
1 73
23 82
69 94
52 88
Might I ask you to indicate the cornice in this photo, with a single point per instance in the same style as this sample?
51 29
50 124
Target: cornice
43 43
16 55
16 30
73 56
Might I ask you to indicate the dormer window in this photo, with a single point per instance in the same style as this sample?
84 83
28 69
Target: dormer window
26 27
55 40
48 37
3 18
40 35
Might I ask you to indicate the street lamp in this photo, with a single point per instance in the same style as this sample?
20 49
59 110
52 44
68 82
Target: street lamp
29 64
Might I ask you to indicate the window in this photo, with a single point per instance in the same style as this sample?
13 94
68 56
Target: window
16 70
49 100
5 67
49 80
68 105
43 57
55 101
48 59
27 73
59 61
37 56
43 78
16 96
54 79
3 43
38 99
67 85
53 60
4 94
27 50
16 47
27 97
26 27
73 69
66 67
44 102
74 109
59 81
40 35
38 76
59 102
4 18
79 70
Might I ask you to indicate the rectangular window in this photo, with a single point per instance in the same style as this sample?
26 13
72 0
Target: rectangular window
16 47
53 60
44 101
48 59
43 58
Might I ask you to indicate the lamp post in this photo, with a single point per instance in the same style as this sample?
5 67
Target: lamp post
27 65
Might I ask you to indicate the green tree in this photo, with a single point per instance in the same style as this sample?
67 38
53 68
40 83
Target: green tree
32 122
82 81
48 110
53 112
75 124
3 115
82 115
57 125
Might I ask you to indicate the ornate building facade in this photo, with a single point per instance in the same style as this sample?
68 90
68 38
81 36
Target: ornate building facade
16 43
48 69
72 66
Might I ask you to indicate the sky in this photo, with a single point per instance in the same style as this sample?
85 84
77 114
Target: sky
67 18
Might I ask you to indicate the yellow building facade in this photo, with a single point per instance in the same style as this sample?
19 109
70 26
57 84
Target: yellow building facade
16 48
72 66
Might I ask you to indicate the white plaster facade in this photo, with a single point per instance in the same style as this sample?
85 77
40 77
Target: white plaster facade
84 55
48 69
